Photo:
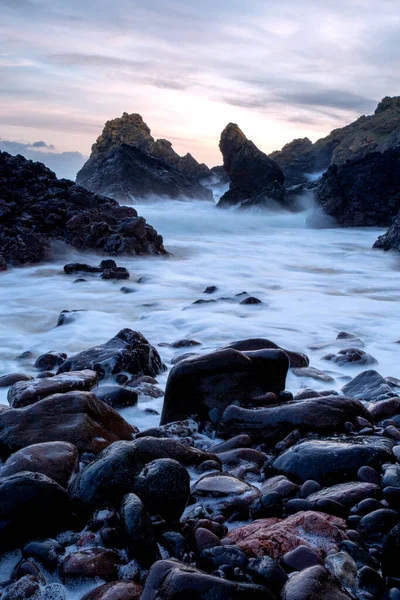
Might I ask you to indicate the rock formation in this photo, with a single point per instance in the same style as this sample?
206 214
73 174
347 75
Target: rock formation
378 132
255 179
128 163
363 192
391 239
36 208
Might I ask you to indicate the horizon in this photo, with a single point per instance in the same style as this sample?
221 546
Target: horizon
280 73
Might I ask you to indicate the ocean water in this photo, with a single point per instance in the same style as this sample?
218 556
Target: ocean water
312 284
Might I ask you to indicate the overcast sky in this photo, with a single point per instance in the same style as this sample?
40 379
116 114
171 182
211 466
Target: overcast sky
280 69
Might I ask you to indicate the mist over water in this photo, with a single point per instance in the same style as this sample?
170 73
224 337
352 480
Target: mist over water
312 283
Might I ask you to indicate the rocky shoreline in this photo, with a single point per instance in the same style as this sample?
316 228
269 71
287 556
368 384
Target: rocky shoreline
242 489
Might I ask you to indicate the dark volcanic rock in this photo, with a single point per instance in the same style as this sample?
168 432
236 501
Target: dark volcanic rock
172 580
138 530
333 461
11 378
391 239
348 494
31 504
369 386
201 384
25 393
127 163
37 208
49 360
363 192
57 460
297 360
222 493
314 583
297 160
76 417
321 415
90 563
151 448
127 351
116 396
255 179
349 356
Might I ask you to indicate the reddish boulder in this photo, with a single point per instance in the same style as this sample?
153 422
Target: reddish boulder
90 563
115 590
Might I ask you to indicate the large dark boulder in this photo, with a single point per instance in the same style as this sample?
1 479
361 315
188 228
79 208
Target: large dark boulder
314 583
369 386
333 461
31 505
36 209
127 351
363 192
172 580
212 381
127 164
76 417
391 239
25 393
270 425
255 179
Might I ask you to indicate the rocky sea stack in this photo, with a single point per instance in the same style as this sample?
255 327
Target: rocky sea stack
255 179
374 133
37 209
127 164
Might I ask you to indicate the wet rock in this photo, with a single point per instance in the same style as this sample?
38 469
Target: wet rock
50 360
309 487
266 571
151 448
26 587
369 475
26 567
314 583
89 564
234 458
76 417
343 568
343 339
230 556
370 582
238 441
300 558
276 537
313 374
391 239
146 389
164 487
296 358
204 539
210 289
349 356
185 343
255 180
213 381
115 273
42 208
321 415
329 461
368 386
67 316
127 351
27 508
392 496
281 485
358 554
108 478
268 505
224 494
11 378
46 552
116 396
378 523
366 506
347 494
251 300
72 268
391 552
171 580
138 530
57 460
115 590
25 393
175 544
391 476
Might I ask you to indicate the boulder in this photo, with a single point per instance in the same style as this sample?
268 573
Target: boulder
347 494
46 551
391 239
31 505
212 381
151 448
127 351
362 192
116 396
37 209
333 461
138 531
115 590
90 564
56 460
314 583
76 417
127 163
255 179
275 537
49 360
222 493
321 415
11 378
296 359
172 580
25 393
351 356
369 386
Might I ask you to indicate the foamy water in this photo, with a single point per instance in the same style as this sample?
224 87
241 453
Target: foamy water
312 283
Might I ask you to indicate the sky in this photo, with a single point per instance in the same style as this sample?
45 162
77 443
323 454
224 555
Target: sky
279 69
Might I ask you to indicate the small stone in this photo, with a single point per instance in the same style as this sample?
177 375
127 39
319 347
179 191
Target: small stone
309 487
251 300
300 558
210 289
369 475
206 539
115 273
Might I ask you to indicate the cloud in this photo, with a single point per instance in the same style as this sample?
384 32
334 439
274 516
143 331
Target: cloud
64 164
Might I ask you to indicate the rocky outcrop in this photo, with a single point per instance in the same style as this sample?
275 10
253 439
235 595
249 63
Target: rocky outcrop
375 133
127 164
255 179
37 209
362 192
391 239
